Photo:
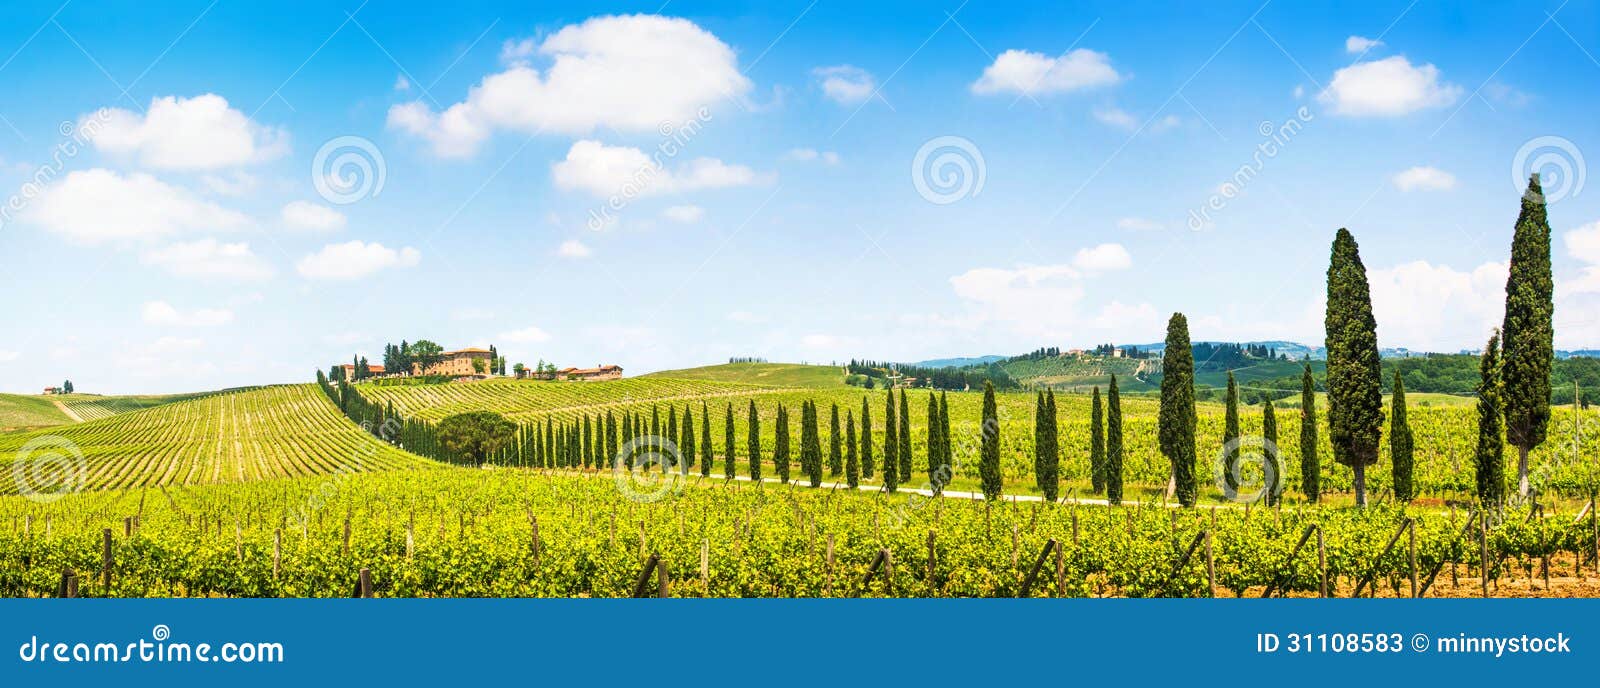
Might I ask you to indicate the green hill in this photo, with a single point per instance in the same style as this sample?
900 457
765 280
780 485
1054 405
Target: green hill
773 374
18 412
518 399
1080 373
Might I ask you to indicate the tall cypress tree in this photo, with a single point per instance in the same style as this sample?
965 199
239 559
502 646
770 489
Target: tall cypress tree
588 442
891 444
754 441
1355 397
1273 471
1097 444
730 466
811 444
1400 442
852 466
1310 464
1230 438
835 457
1113 444
705 440
672 426
1490 455
1038 440
905 439
686 439
989 459
1177 417
611 441
780 445
935 452
1527 335
944 432
1050 480
866 436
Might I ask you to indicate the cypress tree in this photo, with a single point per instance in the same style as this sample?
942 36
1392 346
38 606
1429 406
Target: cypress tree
687 438
989 461
1230 438
891 444
1050 464
1310 464
550 443
610 457
754 442
1097 444
944 434
705 440
1490 455
1269 450
1400 442
1355 398
811 444
588 443
935 450
1038 440
835 457
866 437
1113 444
672 426
1177 417
780 445
730 466
852 466
1527 335
905 439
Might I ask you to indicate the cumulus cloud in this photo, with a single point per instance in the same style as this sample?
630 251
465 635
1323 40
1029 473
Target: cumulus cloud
1424 178
526 335
1387 88
1025 72
209 259
606 171
354 260
1116 117
99 205
572 248
1043 301
199 133
1360 44
845 84
313 216
1583 244
163 313
686 214
812 155
1430 307
628 73
1102 258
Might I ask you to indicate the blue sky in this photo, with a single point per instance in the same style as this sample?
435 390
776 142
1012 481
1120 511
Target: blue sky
1089 169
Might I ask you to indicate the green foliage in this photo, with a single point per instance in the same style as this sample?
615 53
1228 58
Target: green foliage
1097 445
891 445
1310 468
1178 418
1113 465
1230 437
989 457
477 435
1269 452
866 437
1527 336
1489 458
1046 443
835 458
754 438
852 464
905 439
1400 444
810 444
1355 400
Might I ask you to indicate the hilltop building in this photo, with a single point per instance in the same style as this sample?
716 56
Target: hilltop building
605 372
459 363
349 369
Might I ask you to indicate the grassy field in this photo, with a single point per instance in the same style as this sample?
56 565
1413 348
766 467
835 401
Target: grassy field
526 399
95 406
771 374
19 411
264 433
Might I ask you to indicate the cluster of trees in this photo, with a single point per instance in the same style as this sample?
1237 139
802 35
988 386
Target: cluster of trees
873 374
400 358
1458 374
1219 357
66 387
746 359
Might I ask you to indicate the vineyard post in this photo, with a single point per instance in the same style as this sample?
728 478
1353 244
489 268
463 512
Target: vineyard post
534 541
1033 573
1061 571
71 584
364 583
1411 554
277 552
705 565
641 539
1594 530
932 557
1074 525
1015 545
827 584
1211 567
411 540
1322 564
1483 552
105 561
127 526
346 545
663 580
238 540
644 575
48 532
1373 571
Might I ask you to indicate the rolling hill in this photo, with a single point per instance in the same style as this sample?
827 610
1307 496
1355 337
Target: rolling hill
522 399
773 374
21 411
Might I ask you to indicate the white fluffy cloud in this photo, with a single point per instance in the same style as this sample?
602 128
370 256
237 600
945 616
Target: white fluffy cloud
811 155
526 335
199 133
209 259
1583 244
354 260
1116 117
606 171
1388 88
684 214
1360 44
1102 258
1024 72
1436 307
1044 301
1424 178
845 84
163 313
628 73
572 248
98 205
313 216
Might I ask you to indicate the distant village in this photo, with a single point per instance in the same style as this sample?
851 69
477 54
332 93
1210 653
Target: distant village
426 359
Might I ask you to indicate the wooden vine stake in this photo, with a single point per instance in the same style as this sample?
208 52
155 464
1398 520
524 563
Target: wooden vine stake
933 557
105 561
1033 573
277 552
364 583
827 581
705 565
640 584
